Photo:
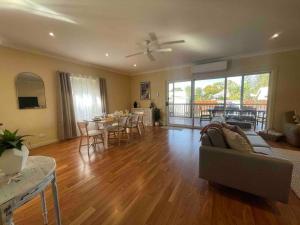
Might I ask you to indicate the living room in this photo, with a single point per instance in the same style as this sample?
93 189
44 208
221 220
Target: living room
122 99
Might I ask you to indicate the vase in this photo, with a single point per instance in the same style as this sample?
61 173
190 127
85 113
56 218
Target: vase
13 161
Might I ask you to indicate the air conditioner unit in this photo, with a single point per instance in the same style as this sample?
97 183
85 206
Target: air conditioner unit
210 67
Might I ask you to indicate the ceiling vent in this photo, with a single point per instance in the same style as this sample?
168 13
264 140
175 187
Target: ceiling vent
210 67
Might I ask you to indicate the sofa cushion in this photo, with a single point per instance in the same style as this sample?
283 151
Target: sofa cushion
263 150
216 137
250 133
257 141
236 141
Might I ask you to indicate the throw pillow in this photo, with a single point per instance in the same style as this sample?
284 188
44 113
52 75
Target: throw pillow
211 125
236 141
216 137
238 130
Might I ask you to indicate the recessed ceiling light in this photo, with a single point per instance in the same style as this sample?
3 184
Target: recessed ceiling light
276 35
51 34
106 54
134 65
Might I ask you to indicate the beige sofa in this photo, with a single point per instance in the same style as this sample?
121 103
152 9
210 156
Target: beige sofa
258 173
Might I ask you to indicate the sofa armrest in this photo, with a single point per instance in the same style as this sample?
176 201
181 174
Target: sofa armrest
257 174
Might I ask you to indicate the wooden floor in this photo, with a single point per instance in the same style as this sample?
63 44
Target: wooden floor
151 180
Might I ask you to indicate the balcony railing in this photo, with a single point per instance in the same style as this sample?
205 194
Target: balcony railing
194 110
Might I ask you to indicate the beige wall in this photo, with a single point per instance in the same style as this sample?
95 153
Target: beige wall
285 81
42 123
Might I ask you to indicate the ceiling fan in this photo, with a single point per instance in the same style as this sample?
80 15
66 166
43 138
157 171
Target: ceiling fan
153 45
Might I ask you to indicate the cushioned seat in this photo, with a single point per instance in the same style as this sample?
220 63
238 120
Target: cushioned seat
257 141
263 150
250 132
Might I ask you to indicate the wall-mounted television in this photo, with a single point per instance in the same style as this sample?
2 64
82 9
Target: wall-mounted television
28 102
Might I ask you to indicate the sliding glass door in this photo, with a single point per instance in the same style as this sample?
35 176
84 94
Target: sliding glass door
179 103
207 94
191 103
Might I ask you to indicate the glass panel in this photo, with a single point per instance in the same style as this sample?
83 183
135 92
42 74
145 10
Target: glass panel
210 90
233 92
208 95
256 91
180 105
182 92
171 99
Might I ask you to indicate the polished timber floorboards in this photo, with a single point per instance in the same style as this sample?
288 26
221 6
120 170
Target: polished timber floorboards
151 180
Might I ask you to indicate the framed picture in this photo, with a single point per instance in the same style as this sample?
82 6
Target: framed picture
145 90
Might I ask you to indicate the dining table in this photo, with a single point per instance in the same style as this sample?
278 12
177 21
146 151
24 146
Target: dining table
103 123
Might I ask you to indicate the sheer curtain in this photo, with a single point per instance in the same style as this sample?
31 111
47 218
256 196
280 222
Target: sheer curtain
86 97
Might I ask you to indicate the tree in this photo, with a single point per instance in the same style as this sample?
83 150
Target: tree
211 90
233 90
252 84
198 93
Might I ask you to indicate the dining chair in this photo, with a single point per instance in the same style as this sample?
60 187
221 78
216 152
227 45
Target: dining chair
141 119
95 135
133 123
118 131
205 115
261 118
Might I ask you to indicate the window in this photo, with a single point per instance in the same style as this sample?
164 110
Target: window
233 92
209 91
86 97
256 88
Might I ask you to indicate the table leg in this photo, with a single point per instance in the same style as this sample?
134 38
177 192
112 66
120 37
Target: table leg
44 207
105 139
6 214
55 199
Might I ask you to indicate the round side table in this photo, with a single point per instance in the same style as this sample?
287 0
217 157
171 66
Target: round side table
37 175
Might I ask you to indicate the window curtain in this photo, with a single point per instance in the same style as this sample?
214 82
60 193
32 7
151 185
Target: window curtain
103 95
86 97
66 116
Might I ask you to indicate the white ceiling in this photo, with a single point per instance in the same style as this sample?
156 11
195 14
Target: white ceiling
86 29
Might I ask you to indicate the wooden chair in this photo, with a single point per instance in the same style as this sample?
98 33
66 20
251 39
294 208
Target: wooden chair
141 119
119 130
261 118
134 124
95 135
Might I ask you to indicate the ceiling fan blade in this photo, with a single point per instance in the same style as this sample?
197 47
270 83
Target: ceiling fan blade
153 37
172 42
163 50
139 53
150 56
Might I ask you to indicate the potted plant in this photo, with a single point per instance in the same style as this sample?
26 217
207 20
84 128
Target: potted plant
13 153
156 115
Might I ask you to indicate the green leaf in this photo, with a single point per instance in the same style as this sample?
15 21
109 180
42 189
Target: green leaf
10 140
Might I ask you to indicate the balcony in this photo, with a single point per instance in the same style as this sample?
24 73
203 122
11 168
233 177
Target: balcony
192 114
